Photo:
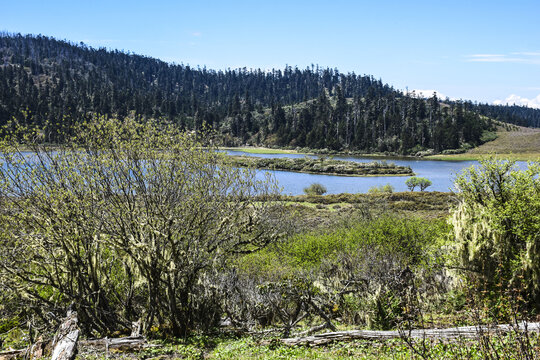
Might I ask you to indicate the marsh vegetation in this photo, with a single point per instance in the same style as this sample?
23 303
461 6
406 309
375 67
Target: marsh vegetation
323 165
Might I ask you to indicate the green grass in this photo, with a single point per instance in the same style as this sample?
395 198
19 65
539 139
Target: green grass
261 150
306 251
507 347
473 157
247 348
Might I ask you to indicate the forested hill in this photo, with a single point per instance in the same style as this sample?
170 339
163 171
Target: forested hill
52 84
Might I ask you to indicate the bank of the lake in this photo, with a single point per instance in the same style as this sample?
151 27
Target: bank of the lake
515 143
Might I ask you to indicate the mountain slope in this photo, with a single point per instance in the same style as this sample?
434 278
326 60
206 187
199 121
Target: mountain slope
52 84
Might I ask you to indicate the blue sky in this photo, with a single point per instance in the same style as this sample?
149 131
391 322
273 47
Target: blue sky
479 50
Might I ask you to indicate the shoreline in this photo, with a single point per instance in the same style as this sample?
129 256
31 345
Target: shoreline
436 157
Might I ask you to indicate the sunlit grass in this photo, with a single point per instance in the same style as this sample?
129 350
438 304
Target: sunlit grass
261 150
518 144
473 157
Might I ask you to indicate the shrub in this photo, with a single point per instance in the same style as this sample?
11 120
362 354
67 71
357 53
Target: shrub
414 181
366 273
488 136
315 189
424 183
381 189
127 221
496 227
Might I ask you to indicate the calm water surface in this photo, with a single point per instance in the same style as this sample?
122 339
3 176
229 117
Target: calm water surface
441 173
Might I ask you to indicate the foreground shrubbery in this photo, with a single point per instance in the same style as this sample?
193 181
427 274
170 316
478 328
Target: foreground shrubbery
496 228
126 222
123 229
370 274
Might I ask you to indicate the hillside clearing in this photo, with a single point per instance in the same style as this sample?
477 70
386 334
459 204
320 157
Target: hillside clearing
520 143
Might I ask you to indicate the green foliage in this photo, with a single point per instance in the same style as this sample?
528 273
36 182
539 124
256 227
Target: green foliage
424 183
488 136
514 346
127 221
412 183
496 228
321 166
315 189
388 234
365 271
381 189
421 182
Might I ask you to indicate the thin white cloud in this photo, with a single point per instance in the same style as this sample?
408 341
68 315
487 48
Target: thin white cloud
196 34
486 56
518 100
531 57
534 53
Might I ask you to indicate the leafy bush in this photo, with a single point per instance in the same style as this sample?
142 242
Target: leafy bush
127 221
315 189
365 273
381 189
421 182
488 136
496 227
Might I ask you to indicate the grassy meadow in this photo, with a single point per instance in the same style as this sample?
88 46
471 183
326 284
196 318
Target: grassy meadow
514 143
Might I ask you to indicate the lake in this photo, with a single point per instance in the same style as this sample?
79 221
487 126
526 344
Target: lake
441 173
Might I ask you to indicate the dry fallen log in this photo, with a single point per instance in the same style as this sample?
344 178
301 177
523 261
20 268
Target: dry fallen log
450 333
123 344
130 343
13 354
65 340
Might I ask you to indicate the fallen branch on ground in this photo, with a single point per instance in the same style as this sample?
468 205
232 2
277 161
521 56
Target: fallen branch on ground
123 343
450 333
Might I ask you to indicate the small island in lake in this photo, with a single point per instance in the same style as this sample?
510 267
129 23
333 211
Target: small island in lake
323 166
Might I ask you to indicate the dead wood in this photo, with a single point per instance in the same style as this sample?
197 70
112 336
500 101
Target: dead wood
65 340
124 344
449 333
128 343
